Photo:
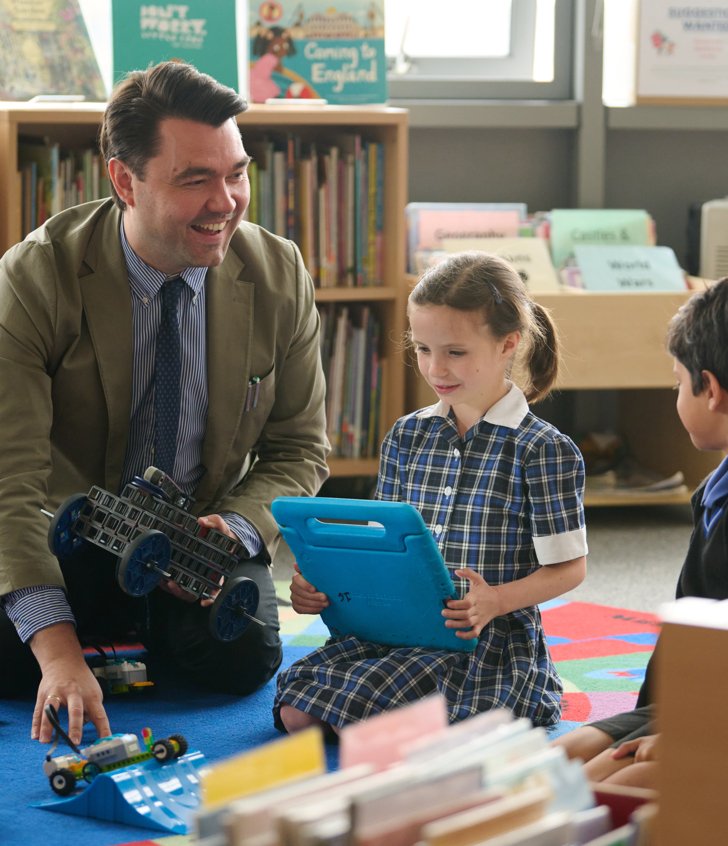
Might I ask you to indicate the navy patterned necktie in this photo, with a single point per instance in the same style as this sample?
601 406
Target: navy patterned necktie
167 365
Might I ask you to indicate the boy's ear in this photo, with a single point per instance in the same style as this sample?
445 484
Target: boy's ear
716 394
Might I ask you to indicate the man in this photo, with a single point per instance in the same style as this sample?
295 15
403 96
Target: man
80 310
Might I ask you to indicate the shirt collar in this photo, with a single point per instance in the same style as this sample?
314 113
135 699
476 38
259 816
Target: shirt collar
146 281
508 411
715 494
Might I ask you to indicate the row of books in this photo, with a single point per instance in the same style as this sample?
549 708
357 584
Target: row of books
328 198
594 249
350 340
491 779
53 179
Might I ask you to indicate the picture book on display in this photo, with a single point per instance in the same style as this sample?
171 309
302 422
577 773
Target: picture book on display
45 50
317 51
199 32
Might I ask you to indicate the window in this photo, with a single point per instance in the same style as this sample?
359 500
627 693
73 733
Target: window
499 49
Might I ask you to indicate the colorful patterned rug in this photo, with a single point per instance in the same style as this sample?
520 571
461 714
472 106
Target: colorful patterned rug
601 654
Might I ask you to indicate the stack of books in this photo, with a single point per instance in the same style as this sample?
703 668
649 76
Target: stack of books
408 778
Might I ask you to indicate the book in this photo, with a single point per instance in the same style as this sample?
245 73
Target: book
196 31
569 228
378 741
428 224
629 268
45 49
317 50
529 256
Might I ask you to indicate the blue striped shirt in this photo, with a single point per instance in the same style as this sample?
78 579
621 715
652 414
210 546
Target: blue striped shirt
37 607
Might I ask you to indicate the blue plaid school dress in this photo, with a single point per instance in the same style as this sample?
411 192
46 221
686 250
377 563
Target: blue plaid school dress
503 500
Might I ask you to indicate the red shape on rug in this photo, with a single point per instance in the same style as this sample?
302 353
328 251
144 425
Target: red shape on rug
585 621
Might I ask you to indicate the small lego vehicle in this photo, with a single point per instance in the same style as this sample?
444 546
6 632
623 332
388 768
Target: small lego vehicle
119 675
103 755
153 535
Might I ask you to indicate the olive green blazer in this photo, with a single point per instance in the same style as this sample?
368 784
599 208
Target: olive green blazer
66 377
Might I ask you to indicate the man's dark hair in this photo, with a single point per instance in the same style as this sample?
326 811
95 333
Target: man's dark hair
698 335
130 129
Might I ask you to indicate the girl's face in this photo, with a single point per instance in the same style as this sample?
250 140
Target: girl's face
460 359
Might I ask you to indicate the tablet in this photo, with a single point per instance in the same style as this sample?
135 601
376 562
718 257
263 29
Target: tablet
379 566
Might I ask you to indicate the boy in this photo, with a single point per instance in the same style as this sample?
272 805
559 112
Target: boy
622 749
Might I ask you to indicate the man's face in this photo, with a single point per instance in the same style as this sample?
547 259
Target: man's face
193 195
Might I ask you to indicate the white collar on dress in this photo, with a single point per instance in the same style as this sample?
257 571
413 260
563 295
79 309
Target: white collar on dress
508 411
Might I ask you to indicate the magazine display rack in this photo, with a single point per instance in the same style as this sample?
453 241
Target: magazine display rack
75 126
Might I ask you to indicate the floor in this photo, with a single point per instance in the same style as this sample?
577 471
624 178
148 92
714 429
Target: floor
635 556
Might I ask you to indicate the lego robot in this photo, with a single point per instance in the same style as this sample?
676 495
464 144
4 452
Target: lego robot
103 755
153 535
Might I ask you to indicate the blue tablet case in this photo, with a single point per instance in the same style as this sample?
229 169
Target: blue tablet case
379 566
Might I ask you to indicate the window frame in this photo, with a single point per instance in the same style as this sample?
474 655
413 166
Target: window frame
493 79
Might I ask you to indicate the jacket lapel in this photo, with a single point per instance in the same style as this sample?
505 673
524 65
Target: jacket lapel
104 283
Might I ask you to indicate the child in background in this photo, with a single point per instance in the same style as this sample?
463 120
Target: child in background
501 491
623 749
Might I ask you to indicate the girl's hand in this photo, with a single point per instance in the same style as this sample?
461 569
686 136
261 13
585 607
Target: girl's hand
475 610
643 749
305 599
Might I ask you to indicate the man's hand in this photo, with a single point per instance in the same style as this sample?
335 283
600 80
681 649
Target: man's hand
212 521
67 682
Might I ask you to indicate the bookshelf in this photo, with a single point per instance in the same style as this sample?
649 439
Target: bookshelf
615 343
75 126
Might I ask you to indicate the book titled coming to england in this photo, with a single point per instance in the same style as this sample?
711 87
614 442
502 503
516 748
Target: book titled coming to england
317 51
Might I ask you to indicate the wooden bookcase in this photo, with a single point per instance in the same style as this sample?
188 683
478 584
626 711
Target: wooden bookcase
615 343
76 125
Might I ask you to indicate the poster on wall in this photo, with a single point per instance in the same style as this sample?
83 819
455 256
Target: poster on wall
317 50
200 32
682 52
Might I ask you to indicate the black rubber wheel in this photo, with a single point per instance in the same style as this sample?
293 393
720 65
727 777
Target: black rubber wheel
62 782
62 540
229 613
138 569
163 751
181 742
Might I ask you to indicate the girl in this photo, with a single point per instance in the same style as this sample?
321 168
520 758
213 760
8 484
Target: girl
501 491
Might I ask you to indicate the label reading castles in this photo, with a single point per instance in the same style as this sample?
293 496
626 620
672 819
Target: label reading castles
199 32
315 50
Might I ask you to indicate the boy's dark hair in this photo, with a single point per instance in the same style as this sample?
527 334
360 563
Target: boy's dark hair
130 128
697 335
480 282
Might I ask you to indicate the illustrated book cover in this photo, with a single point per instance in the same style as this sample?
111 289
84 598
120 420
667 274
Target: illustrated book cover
317 51
201 33
45 50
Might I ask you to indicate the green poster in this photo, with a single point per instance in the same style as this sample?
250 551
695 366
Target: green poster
200 32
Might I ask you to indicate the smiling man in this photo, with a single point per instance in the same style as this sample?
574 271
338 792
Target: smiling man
82 301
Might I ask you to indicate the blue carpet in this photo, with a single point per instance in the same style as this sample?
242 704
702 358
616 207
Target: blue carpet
216 724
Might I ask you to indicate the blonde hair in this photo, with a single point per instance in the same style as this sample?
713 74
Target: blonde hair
480 282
